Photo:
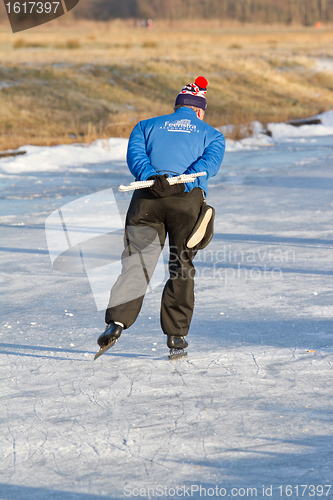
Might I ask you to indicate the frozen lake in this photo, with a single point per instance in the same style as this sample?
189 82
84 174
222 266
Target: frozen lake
247 413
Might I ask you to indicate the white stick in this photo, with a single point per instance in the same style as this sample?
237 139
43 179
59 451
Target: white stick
180 179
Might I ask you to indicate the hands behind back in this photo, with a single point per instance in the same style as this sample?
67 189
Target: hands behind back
162 189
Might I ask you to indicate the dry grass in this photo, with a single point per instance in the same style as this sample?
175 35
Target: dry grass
69 82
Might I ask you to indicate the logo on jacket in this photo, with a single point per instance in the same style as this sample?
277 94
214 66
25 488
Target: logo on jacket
180 126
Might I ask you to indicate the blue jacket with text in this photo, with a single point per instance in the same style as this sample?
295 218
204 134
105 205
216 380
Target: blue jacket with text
175 144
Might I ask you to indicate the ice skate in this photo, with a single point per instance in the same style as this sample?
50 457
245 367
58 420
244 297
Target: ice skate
203 230
108 338
176 345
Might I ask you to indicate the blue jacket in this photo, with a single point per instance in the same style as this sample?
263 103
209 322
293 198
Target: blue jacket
175 144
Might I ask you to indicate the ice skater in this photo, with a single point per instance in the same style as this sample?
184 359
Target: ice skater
160 148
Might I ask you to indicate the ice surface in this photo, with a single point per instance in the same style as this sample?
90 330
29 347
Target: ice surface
252 403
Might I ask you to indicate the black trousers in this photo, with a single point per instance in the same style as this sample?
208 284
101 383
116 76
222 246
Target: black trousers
148 222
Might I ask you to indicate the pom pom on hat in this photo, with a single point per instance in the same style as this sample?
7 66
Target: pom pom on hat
194 94
201 82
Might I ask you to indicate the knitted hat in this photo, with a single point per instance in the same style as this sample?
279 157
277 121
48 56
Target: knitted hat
194 94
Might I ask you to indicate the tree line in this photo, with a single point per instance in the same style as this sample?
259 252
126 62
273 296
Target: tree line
306 12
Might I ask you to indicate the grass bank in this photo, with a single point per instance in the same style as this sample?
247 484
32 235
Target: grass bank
75 81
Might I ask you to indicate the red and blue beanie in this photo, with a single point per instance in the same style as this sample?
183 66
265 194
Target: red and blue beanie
194 94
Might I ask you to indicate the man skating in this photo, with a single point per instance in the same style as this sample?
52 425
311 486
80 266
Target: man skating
162 147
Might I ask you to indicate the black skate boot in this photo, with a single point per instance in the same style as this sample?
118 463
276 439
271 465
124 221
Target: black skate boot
175 342
108 338
176 345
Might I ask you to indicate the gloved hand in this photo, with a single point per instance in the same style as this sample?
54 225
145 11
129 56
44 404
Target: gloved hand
162 189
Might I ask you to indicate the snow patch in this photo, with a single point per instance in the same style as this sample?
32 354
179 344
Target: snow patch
323 64
285 131
60 158
6 85
281 132
258 139
249 143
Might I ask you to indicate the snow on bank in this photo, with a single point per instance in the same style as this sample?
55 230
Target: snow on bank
59 158
79 156
281 132
284 131
249 143
257 139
